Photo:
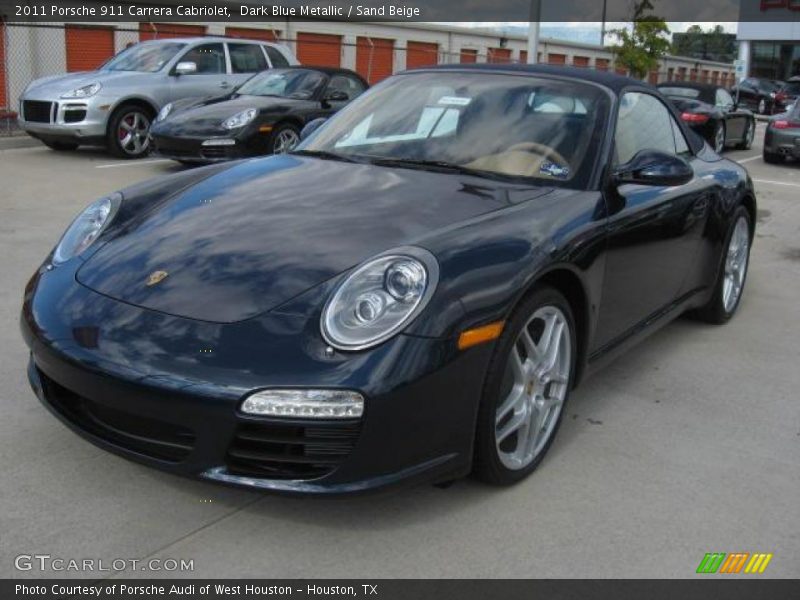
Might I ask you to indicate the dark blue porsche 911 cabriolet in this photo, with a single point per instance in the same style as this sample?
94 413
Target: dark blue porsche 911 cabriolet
409 295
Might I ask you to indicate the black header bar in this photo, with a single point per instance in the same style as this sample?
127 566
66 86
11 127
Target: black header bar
476 11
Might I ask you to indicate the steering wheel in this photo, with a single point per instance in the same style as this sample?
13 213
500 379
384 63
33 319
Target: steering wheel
541 150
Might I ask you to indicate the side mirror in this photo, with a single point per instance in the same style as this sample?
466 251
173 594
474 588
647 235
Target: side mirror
336 96
653 167
186 67
311 127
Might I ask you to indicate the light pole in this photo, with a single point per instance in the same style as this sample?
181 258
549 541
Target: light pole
603 25
533 31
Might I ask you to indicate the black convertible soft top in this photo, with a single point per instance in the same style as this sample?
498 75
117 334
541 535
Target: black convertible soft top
612 81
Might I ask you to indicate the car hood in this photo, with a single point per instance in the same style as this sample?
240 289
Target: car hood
207 118
61 84
246 240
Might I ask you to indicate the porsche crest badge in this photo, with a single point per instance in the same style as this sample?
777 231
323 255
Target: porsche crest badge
156 277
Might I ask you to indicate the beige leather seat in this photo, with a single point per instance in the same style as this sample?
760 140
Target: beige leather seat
524 159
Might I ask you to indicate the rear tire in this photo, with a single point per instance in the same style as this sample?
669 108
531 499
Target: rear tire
749 135
729 287
128 129
526 388
61 146
773 158
718 138
762 107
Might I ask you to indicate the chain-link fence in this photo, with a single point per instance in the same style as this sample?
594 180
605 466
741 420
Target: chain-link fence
28 52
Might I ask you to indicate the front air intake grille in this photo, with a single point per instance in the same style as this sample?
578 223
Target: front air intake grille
213 152
37 112
74 115
149 437
283 451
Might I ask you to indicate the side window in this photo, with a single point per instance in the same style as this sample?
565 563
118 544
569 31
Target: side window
344 83
277 59
723 98
643 123
247 58
209 58
681 145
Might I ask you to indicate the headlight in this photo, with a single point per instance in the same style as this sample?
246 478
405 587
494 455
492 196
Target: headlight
164 112
83 92
240 119
379 298
86 228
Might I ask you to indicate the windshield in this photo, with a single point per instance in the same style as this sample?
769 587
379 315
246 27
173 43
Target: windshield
288 83
767 86
145 58
680 92
507 125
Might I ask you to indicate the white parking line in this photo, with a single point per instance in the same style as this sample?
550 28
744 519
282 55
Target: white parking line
744 160
132 163
771 182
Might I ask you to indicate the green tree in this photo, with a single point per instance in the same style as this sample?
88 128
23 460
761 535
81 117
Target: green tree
713 44
640 46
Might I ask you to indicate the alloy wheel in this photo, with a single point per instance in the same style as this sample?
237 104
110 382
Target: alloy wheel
285 141
132 133
538 370
762 106
735 265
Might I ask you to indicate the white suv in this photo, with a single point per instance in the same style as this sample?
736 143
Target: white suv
114 105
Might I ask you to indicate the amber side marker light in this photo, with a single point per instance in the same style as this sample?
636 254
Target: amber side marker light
480 335
265 128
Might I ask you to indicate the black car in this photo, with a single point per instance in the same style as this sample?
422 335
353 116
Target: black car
787 95
711 112
410 295
782 137
262 116
758 94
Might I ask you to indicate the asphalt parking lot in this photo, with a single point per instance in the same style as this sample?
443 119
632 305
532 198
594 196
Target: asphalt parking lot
688 445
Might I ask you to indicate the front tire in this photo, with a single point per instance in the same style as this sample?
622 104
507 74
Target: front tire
527 386
284 138
128 130
730 282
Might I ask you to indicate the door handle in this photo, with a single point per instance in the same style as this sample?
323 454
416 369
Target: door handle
224 84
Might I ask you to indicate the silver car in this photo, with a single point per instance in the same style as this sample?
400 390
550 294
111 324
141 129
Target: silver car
114 105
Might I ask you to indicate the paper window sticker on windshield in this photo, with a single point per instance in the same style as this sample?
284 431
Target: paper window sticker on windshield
554 170
454 100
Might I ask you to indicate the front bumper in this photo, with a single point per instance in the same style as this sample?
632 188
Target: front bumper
165 391
192 149
83 120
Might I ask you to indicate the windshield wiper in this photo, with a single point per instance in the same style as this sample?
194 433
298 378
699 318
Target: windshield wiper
325 154
431 165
